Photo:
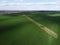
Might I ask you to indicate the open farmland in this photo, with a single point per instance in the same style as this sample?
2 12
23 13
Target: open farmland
48 19
16 29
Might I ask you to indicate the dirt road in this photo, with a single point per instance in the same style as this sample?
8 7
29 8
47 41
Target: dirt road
49 31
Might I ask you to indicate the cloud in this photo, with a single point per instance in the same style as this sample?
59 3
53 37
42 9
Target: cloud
29 6
20 0
41 3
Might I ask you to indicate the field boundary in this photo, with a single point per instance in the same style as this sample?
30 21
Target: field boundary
47 30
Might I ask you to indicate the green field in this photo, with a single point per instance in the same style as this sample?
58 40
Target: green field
17 30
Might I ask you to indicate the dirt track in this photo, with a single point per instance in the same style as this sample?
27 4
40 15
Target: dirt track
50 32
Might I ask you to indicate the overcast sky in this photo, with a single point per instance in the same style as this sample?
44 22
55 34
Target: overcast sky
29 4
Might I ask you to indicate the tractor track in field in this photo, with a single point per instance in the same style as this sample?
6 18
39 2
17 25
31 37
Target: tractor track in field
47 30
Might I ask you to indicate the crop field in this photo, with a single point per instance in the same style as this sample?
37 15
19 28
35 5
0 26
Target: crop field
16 29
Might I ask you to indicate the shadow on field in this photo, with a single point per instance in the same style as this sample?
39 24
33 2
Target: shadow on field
55 19
5 19
12 27
14 14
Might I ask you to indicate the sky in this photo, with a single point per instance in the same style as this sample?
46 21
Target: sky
29 4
